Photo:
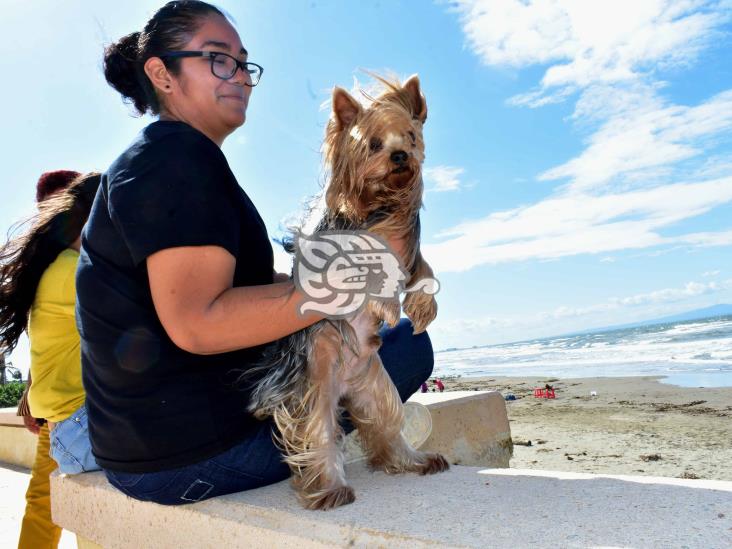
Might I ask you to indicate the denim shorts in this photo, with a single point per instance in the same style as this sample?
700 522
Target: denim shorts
70 445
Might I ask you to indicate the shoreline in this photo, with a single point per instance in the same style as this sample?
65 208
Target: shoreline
635 425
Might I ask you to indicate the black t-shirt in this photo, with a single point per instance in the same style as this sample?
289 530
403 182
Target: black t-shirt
151 405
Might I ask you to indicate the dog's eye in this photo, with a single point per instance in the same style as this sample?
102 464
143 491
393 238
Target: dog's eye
375 144
413 137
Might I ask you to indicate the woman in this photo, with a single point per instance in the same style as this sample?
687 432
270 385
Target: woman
176 285
37 293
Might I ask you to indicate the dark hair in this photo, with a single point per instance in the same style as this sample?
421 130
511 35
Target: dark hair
23 259
169 29
50 182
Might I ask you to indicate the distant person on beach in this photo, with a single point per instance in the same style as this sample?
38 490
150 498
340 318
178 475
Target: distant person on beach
438 383
176 286
423 388
37 294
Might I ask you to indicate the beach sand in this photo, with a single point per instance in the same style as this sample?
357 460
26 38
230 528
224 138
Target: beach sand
634 426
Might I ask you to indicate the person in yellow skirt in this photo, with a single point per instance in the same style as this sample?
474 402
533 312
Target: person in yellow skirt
38 294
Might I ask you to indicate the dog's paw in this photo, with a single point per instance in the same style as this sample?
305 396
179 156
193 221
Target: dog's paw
431 464
421 308
388 311
342 495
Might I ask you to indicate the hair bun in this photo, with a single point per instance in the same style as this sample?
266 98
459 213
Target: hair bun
121 71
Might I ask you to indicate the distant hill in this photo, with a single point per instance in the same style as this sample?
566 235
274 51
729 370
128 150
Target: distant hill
696 314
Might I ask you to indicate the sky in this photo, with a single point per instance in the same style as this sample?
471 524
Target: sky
578 166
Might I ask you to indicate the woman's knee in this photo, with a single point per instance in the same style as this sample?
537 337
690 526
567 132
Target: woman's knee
421 349
408 358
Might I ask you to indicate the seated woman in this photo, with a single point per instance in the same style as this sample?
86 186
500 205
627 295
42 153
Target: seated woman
176 287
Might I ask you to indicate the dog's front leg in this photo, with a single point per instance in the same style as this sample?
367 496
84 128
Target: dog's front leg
387 310
419 306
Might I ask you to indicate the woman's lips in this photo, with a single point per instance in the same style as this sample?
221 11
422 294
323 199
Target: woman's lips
234 98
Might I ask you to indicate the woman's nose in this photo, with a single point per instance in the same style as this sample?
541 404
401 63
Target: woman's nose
241 77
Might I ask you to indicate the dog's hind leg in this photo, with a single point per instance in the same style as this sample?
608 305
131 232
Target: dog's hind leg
377 412
311 435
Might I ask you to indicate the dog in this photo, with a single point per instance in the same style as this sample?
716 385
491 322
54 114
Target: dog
374 155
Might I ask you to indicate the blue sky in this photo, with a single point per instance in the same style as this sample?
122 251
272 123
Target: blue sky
579 154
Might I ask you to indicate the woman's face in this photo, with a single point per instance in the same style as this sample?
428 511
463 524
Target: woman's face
215 106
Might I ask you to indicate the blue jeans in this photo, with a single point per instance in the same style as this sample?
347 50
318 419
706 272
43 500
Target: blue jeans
256 461
70 445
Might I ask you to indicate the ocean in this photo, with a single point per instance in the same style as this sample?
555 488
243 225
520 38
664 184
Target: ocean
695 353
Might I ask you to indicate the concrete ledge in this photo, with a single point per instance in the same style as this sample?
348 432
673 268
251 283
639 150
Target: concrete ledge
17 444
469 427
9 418
464 507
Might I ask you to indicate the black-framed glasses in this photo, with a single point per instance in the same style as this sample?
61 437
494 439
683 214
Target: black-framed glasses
223 65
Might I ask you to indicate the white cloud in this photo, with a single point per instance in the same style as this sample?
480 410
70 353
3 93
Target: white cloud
627 186
576 224
722 238
444 178
667 295
641 132
479 325
586 42
282 260
711 273
611 310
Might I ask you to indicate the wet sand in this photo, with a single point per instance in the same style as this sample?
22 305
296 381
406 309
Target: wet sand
634 425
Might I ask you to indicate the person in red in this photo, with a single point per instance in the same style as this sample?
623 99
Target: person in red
438 383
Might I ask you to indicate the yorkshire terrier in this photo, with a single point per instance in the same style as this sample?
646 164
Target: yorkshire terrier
374 155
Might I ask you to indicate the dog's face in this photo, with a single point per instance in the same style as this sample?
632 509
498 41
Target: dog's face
375 154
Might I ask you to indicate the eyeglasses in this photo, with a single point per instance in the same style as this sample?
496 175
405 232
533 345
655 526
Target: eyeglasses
223 65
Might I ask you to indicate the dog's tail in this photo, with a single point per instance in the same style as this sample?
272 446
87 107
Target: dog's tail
278 376
280 379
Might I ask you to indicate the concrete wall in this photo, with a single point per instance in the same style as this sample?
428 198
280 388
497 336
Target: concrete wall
469 427
17 444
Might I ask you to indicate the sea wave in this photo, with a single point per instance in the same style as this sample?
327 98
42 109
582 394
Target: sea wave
690 347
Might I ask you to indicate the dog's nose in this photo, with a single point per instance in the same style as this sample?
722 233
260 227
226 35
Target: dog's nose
399 157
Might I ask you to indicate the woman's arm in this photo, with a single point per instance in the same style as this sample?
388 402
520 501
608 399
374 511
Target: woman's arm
203 314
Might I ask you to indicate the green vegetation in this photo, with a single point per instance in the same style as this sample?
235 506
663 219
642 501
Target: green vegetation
10 394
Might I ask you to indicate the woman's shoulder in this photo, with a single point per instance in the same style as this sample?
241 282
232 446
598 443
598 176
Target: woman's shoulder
65 262
175 133
59 277
167 151
165 144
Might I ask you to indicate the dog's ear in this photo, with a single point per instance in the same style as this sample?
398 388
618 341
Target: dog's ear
345 108
419 104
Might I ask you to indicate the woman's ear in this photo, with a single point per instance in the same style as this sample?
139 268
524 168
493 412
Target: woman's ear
158 74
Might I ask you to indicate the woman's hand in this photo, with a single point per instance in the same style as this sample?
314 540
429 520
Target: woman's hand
31 424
